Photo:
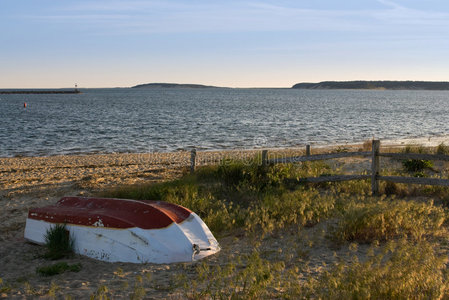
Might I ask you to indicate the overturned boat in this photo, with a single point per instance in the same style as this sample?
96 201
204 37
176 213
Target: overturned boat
121 230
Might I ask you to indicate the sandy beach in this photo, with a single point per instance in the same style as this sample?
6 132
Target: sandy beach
38 181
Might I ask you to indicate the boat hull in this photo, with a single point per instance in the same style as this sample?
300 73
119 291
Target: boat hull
182 240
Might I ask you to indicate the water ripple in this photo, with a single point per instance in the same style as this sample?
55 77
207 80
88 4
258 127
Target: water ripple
147 120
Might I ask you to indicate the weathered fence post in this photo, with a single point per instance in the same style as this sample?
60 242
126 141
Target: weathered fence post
307 150
375 167
264 158
192 160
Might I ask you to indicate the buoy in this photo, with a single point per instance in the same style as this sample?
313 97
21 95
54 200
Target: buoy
24 104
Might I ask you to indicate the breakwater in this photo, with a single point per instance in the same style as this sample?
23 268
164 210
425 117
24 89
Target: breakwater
39 92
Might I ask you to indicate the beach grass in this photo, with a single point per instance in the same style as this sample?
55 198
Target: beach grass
59 242
400 270
403 233
58 268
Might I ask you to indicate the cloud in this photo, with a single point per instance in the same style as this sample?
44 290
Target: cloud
400 14
140 17
390 4
200 16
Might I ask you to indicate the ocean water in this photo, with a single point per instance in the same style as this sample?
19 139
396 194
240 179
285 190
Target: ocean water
149 120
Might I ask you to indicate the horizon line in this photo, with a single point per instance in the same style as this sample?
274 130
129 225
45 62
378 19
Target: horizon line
214 86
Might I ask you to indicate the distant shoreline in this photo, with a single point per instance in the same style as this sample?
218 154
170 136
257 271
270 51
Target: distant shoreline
173 85
375 85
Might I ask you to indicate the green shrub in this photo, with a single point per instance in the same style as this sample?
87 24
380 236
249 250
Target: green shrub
58 268
385 220
416 165
253 176
233 173
59 242
401 271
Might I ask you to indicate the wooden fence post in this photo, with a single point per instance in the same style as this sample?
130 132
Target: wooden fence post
264 158
375 168
307 150
192 160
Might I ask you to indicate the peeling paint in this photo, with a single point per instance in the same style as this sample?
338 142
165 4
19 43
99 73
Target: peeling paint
99 223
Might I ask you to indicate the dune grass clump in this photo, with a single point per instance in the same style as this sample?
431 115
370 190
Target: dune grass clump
367 145
248 277
388 219
59 242
4 288
391 188
442 149
304 207
139 289
313 169
402 270
58 268
102 293
354 187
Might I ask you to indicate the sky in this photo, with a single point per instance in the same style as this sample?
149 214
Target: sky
117 43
